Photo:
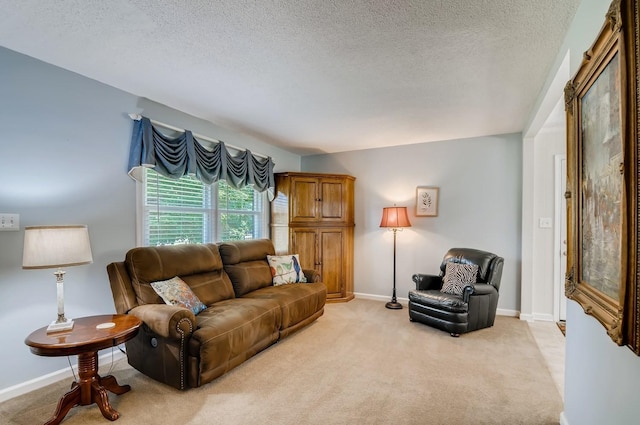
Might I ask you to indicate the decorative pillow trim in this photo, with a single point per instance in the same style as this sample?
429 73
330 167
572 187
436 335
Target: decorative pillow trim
457 276
175 291
286 269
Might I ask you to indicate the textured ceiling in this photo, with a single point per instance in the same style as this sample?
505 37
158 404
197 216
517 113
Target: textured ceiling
310 75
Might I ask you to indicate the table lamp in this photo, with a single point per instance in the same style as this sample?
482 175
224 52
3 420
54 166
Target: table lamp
394 218
56 247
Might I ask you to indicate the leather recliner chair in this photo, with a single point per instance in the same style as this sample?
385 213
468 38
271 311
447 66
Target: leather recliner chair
474 309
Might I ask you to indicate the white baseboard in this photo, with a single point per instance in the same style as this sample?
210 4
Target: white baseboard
50 378
563 419
527 317
505 312
537 317
543 317
384 298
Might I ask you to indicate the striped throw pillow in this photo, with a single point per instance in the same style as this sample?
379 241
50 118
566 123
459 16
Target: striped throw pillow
457 276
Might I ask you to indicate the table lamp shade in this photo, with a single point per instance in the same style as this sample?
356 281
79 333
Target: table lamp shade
56 246
395 217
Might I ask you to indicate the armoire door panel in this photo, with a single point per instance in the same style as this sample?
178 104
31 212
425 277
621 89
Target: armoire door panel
305 199
331 201
332 258
303 243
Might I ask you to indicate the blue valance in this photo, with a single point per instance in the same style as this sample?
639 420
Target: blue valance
183 155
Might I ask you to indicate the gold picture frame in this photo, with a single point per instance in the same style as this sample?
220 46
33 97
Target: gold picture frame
602 182
427 201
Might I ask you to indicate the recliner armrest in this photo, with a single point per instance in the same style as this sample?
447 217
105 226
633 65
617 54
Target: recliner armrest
477 289
166 320
427 281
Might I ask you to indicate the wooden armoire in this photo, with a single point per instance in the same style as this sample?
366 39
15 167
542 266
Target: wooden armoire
312 215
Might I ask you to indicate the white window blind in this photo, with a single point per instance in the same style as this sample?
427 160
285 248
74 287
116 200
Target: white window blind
187 211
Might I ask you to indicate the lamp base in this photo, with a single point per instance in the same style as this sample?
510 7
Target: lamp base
56 326
393 305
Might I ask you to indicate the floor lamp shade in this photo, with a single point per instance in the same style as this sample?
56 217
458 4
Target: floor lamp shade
394 218
56 247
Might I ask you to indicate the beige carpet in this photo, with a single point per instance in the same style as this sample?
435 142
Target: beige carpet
358 364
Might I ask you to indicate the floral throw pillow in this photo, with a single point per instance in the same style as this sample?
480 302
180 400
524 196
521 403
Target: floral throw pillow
457 276
286 269
176 292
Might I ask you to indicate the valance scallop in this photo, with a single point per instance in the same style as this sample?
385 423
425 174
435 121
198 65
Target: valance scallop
175 157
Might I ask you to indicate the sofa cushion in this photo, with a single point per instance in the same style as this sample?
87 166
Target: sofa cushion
199 265
286 269
457 276
175 292
437 300
246 264
231 331
297 301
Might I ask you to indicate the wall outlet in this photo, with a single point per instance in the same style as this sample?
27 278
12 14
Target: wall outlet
10 222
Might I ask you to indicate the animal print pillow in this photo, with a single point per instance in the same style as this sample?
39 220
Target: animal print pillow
457 276
286 269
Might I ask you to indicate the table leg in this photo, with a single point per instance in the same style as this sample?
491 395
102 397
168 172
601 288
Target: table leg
89 389
99 394
110 383
93 390
70 399
101 398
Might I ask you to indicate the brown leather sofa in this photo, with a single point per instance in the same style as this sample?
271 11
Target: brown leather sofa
245 312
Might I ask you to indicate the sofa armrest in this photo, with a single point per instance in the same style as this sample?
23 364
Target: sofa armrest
312 275
165 320
427 281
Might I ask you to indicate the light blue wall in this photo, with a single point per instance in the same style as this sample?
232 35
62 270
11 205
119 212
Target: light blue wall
64 144
479 207
601 378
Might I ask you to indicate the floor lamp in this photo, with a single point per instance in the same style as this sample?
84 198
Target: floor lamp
394 218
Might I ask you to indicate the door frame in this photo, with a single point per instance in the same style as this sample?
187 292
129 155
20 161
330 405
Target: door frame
560 234
529 262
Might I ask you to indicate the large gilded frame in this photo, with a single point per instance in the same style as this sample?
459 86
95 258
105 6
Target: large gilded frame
602 178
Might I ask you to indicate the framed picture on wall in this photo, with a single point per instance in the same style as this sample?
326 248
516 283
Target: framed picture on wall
602 182
426 201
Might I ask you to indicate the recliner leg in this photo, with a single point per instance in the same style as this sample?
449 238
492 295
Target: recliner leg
455 335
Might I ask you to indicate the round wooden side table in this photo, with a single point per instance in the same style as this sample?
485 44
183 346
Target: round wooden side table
88 336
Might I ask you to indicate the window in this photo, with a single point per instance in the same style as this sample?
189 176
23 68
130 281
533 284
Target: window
187 211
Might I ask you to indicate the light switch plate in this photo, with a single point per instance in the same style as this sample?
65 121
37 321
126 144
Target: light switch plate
545 222
9 222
